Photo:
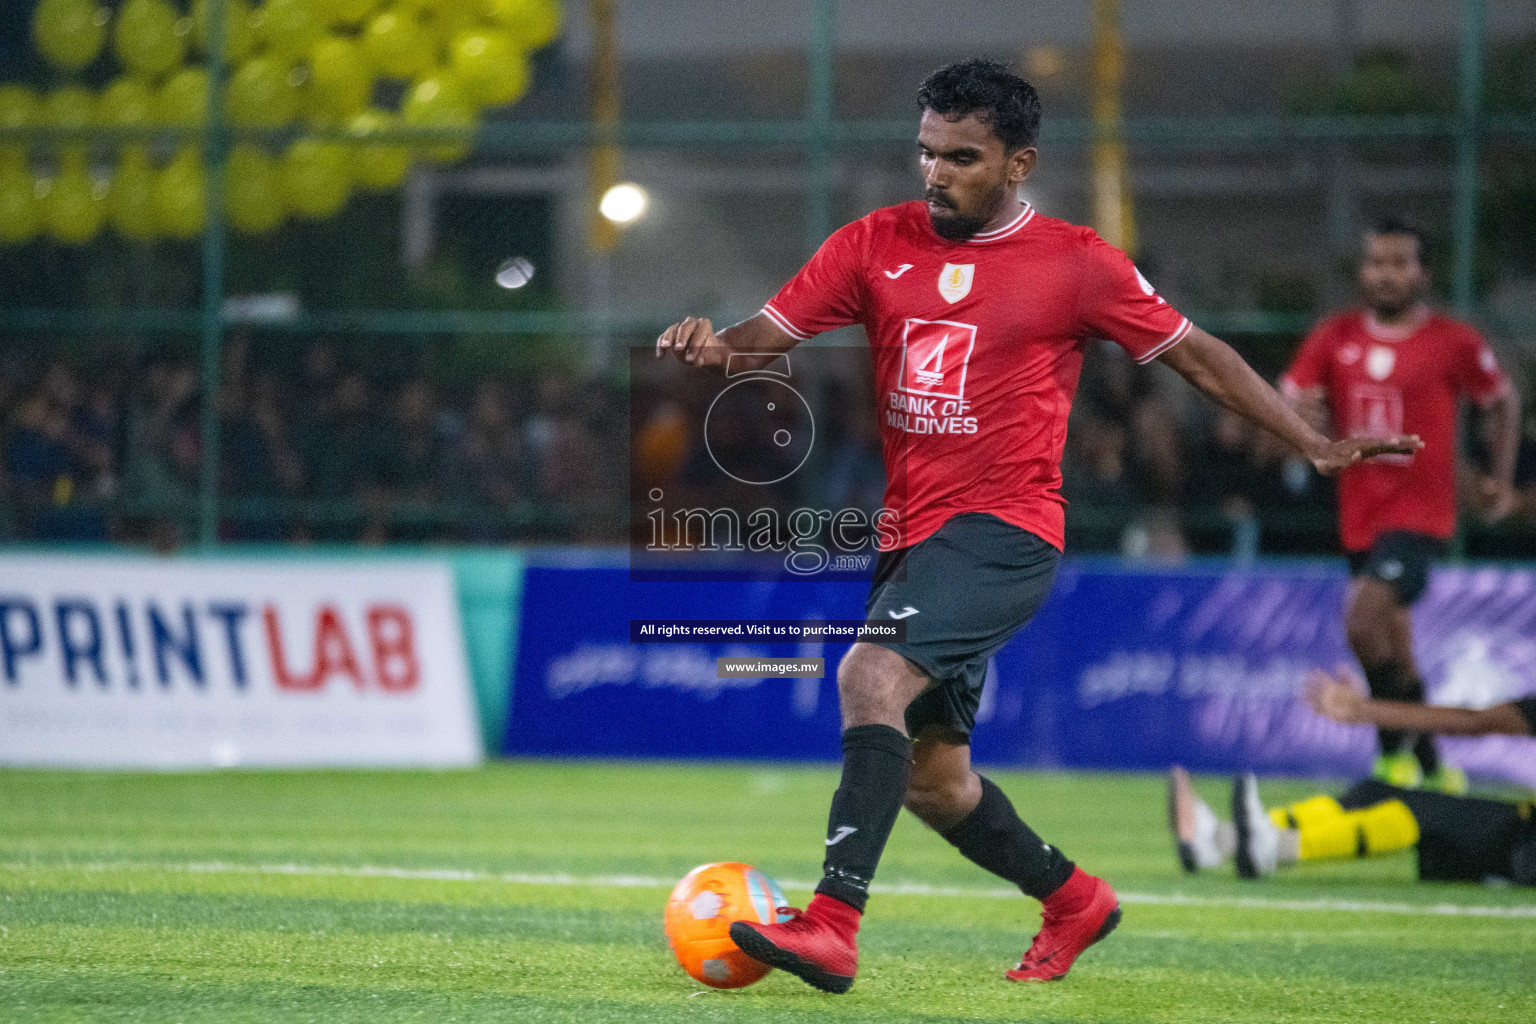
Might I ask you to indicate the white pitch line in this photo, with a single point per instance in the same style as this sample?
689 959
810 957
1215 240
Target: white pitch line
879 888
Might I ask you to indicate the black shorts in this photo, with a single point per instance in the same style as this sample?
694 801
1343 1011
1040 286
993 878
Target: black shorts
1461 838
963 592
1401 560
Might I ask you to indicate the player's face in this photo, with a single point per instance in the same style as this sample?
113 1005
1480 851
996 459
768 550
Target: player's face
968 175
1392 278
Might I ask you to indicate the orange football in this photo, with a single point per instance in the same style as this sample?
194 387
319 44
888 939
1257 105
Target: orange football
699 915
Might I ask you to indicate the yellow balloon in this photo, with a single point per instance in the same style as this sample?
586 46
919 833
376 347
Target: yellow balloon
252 196
289 27
419 9
398 45
450 17
344 12
377 166
240 37
440 102
131 199
19 108
315 182
543 27
70 107
150 39
263 93
339 77
182 101
127 103
71 205
178 196
532 23
20 219
69 33
494 71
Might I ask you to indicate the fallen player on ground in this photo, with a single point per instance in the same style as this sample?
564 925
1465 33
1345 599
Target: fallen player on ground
1458 838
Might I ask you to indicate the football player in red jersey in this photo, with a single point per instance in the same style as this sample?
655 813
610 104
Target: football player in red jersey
1395 366
978 309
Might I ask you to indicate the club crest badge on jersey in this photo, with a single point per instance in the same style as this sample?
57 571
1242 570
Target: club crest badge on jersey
1379 362
955 281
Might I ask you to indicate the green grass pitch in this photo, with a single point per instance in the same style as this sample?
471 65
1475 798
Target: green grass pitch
532 891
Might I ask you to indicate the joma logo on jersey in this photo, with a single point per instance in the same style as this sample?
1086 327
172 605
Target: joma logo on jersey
935 357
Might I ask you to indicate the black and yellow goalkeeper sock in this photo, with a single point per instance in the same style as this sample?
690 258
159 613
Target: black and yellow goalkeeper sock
1386 827
1306 812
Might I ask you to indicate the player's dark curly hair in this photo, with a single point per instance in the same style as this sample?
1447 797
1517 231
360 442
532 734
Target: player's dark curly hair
1007 103
1395 225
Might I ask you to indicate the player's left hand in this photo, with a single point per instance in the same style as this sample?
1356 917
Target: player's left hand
1496 497
1341 454
1336 696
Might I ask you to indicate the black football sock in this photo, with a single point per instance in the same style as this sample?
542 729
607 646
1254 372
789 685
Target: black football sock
993 837
1428 754
864 808
1411 687
1382 682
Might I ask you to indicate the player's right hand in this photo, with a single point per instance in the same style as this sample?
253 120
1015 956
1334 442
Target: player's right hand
1341 454
1336 696
1496 499
693 341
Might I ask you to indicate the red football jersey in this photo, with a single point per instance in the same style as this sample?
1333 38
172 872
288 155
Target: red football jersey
1378 381
977 348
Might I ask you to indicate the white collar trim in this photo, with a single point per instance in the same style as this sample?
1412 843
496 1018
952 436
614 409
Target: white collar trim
1381 332
1025 216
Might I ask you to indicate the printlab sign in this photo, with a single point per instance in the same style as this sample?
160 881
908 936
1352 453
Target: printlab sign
130 662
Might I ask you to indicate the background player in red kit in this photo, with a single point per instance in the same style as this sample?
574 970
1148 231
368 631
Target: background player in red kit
1396 366
977 310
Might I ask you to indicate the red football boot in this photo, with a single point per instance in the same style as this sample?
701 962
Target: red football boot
1073 918
816 944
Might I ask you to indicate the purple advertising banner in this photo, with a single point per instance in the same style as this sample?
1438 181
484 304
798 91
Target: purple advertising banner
1206 669
1203 667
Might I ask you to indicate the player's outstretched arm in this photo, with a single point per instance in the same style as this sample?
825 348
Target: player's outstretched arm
1343 700
1496 491
1211 365
754 343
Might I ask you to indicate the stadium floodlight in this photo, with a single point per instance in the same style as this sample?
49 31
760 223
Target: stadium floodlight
624 203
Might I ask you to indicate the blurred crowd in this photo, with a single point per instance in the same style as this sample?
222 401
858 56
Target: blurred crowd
314 449
1158 473
311 449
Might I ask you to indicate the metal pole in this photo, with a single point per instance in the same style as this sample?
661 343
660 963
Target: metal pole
214 160
819 83
605 157
605 164
1342 199
1113 215
1468 111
